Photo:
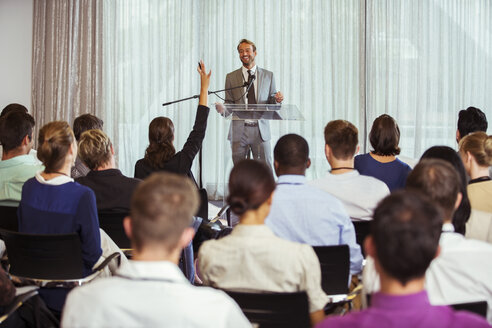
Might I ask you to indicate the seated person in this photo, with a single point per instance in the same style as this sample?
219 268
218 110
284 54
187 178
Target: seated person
461 273
161 155
252 257
405 225
476 153
7 289
52 203
382 163
16 129
302 213
113 190
150 291
448 154
470 120
81 124
358 193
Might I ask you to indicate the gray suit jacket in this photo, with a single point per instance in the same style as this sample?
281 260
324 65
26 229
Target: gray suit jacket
265 95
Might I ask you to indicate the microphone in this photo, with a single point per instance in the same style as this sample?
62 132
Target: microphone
250 83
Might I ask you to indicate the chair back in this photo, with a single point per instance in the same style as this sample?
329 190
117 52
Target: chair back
335 268
479 308
44 256
362 230
274 309
112 224
8 218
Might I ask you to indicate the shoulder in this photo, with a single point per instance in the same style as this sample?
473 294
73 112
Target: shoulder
233 73
468 319
372 183
265 71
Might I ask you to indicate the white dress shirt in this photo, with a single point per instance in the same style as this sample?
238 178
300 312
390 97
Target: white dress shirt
253 258
359 193
150 294
462 272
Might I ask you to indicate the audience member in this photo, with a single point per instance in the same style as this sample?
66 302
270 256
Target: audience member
52 203
382 163
161 155
404 240
113 190
81 124
448 154
358 193
17 108
150 291
470 120
252 257
302 213
461 273
476 153
16 129
7 289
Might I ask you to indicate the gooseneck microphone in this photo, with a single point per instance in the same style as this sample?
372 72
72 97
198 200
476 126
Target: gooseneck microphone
250 82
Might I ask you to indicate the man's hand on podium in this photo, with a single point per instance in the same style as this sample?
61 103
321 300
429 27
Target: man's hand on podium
279 97
220 108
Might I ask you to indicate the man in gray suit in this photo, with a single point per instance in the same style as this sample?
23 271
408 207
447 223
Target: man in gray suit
251 135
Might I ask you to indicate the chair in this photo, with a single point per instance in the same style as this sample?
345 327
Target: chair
112 224
362 230
335 268
47 260
18 301
274 309
8 218
479 308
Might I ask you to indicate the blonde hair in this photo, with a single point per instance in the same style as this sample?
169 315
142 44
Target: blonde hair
479 144
94 148
55 139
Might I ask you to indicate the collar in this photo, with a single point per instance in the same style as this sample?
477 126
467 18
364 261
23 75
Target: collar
18 160
152 270
244 70
292 179
256 230
481 179
62 179
105 173
398 302
343 176
448 227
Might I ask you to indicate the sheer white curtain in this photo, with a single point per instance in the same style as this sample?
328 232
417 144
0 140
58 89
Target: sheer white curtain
151 51
426 60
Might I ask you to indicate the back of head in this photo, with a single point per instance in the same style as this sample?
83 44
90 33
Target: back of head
14 126
406 230
86 122
162 207
448 154
479 144
13 108
94 148
250 184
54 142
385 136
342 137
471 120
291 151
439 181
161 136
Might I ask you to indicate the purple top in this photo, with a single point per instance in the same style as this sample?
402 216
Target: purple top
393 173
410 311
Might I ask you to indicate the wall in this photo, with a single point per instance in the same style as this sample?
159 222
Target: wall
16 51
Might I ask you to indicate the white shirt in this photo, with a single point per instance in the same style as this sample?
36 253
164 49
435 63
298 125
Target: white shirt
462 272
253 258
359 193
150 294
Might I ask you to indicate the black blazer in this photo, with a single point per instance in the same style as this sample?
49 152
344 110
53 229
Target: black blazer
181 161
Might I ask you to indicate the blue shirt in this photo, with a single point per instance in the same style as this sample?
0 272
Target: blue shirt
305 214
393 173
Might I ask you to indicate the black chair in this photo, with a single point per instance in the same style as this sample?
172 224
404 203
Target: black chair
479 308
48 260
362 230
8 218
274 309
335 268
112 224
15 304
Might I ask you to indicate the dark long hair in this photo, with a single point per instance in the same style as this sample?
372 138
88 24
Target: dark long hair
161 148
462 213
